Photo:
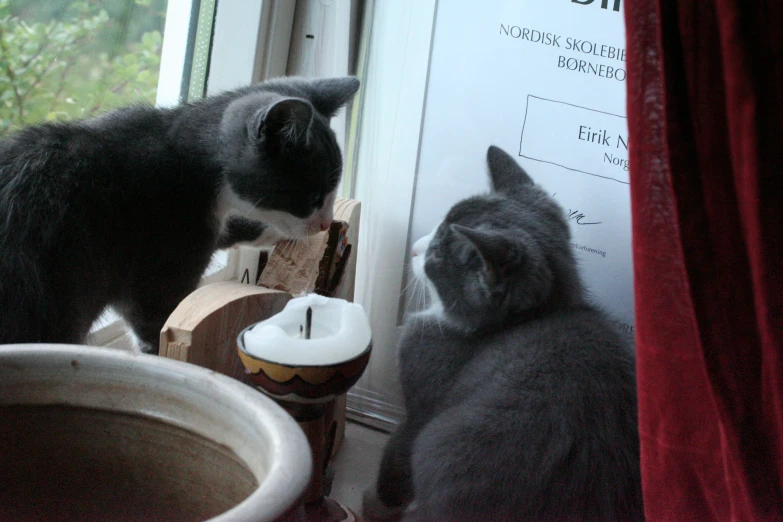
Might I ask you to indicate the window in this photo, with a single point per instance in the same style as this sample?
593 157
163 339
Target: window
66 59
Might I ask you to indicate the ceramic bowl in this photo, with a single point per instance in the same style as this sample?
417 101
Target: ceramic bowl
97 434
302 383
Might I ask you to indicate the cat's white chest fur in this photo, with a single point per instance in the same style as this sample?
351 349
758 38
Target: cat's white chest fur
418 258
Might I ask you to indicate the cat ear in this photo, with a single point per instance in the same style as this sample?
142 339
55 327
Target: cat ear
493 247
328 95
286 121
506 174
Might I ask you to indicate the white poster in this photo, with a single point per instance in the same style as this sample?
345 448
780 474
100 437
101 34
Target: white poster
545 81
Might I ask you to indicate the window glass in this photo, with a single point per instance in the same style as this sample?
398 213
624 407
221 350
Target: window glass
66 59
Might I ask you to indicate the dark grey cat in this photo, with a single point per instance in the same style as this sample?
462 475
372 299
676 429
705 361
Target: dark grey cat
126 209
520 395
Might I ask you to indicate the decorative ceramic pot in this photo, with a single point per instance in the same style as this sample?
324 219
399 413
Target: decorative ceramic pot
304 357
300 368
299 383
93 433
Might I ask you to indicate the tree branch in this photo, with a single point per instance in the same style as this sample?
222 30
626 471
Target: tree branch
12 76
43 45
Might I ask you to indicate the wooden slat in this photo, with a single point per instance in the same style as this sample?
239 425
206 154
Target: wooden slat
349 210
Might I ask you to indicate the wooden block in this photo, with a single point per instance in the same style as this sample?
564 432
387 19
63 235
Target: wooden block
349 211
203 329
293 265
325 267
297 266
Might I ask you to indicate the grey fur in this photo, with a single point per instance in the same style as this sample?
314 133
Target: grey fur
520 395
126 209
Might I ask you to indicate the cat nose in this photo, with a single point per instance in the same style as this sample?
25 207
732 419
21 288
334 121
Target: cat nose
414 252
324 227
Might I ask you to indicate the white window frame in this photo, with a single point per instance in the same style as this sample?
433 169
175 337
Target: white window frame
384 171
174 54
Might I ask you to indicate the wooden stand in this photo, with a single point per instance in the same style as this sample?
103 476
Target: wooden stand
308 393
203 330
313 419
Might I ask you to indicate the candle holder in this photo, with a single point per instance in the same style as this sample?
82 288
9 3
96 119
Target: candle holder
304 358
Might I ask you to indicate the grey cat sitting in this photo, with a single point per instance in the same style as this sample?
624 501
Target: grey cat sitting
520 395
126 209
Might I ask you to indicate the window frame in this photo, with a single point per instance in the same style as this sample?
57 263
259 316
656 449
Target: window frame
385 143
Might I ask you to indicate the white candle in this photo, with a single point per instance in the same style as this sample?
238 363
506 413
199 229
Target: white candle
340 332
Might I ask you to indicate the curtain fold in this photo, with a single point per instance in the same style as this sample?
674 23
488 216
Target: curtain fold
705 88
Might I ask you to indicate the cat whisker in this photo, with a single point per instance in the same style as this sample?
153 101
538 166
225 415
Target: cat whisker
252 208
412 290
409 285
410 297
283 246
290 247
296 237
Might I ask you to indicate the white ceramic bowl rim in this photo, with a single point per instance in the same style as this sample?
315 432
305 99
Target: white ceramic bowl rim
275 340
243 349
262 434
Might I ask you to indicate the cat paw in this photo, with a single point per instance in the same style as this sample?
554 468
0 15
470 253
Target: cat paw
374 510
140 346
148 348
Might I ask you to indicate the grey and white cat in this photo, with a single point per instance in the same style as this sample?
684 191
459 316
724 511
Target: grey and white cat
520 395
126 209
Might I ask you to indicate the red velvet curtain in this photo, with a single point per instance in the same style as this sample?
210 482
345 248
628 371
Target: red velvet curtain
705 112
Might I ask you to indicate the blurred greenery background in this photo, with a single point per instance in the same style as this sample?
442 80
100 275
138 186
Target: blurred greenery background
66 59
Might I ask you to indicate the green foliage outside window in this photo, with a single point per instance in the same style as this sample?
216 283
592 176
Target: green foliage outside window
65 59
